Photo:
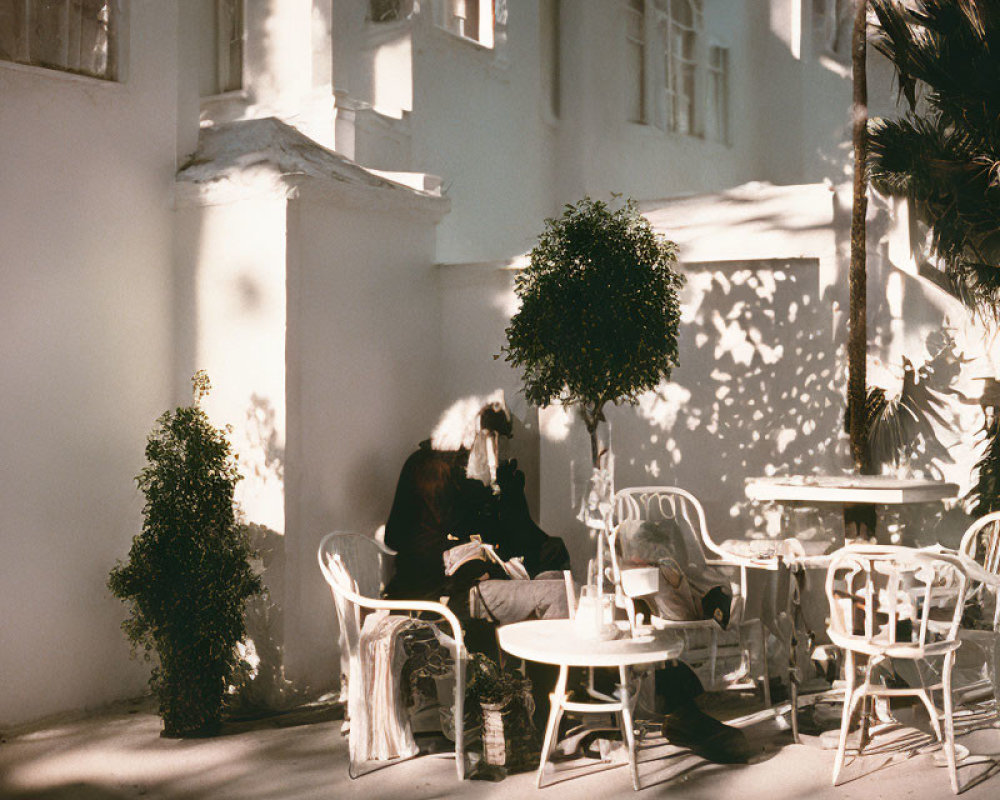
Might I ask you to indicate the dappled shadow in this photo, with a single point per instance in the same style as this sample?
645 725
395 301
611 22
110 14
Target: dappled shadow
758 390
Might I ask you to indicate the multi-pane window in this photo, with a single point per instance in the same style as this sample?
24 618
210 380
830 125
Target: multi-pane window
221 47
717 100
679 24
470 19
635 40
70 35
674 77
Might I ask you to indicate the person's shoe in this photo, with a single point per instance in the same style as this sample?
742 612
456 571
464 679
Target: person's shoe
705 736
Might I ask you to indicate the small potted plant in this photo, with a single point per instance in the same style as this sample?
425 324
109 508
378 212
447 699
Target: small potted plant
188 574
503 697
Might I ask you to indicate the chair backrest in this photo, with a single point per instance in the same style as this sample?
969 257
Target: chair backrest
356 567
670 507
872 589
981 542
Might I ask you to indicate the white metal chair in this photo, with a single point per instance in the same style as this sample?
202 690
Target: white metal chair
981 543
354 567
901 604
675 505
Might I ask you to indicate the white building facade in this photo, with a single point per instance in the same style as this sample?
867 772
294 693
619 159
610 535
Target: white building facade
324 203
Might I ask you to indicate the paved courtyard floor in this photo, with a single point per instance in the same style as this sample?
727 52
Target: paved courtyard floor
118 753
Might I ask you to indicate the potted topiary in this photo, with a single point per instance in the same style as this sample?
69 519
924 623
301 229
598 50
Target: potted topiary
188 575
599 312
597 324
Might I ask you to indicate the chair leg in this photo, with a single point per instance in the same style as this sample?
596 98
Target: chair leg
713 654
556 700
949 720
995 675
459 705
845 723
628 729
932 712
764 664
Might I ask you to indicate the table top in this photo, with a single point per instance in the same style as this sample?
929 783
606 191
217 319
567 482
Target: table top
555 641
880 489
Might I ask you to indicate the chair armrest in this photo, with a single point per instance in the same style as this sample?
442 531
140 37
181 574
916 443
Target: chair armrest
410 605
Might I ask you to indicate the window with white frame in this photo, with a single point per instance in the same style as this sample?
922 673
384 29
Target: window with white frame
635 41
222 34
717 91
389 10
679 24
676 79
469 19
79 36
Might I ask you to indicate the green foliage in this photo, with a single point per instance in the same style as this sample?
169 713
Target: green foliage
985 495
188 576
944 153
599 310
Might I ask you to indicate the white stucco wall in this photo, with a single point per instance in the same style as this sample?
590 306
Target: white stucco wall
231 309
85 291
363 386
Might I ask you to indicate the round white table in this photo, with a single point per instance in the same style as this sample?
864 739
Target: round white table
556 641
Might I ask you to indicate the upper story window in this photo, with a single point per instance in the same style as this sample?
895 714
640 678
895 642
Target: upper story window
635 41
221 28
675 78
79 36
469 19
679 25
717 90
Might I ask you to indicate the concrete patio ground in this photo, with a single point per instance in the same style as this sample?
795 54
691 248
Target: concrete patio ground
118 753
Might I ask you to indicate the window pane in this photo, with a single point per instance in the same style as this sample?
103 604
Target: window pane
12 39
69 35
47 35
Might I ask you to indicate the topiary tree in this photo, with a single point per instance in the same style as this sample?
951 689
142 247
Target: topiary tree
188 575
599 312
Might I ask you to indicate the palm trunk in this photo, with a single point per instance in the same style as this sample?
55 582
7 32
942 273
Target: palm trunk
857 340
859 520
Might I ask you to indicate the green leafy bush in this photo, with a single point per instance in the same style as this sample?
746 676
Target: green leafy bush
599 311
188 575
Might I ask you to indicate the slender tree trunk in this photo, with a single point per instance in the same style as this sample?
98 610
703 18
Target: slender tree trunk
859 520
857 341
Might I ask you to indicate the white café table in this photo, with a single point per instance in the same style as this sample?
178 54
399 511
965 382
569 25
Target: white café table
849 489
845 490
556 641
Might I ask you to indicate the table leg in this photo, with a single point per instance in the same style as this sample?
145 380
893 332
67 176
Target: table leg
556 700
628 729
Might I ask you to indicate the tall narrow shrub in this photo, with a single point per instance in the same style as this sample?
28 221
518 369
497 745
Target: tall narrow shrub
188 575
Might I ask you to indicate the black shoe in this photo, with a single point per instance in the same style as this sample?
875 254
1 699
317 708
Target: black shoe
706 736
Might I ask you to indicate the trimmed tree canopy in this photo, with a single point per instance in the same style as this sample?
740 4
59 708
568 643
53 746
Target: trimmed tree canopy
599 310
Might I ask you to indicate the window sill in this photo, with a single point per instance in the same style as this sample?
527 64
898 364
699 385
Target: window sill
475 44
60 75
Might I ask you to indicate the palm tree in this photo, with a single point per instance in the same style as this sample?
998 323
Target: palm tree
857 337
944 152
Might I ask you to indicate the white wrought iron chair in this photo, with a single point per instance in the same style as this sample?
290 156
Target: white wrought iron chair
901 604
981 543
672 504
354 567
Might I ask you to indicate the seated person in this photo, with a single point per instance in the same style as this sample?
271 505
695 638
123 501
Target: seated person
454 488
688 591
